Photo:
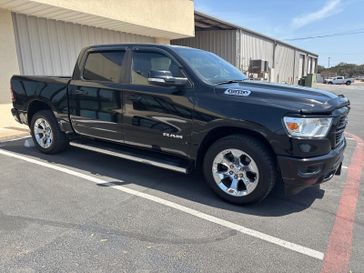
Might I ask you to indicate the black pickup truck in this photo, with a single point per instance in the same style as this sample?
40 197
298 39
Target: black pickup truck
181 108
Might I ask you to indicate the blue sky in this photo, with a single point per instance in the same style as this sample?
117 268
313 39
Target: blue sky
284 19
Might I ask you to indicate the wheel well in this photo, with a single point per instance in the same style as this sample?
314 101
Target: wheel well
35 107
221 132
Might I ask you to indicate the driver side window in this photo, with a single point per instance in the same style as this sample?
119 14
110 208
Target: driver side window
145 62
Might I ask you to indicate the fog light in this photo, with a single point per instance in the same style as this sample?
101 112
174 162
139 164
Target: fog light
305 147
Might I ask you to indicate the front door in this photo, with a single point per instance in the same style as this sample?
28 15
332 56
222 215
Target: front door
96 99
157 117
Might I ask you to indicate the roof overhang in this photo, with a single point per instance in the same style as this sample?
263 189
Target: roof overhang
47 9
206 22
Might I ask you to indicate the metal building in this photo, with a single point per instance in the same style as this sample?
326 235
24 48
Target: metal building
257 55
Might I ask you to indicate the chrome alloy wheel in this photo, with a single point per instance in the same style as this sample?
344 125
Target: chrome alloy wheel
43 133
235 172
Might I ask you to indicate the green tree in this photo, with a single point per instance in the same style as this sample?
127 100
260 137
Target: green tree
342 69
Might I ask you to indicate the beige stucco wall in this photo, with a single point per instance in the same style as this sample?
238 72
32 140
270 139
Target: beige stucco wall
162 41
169 19
169 15
8 57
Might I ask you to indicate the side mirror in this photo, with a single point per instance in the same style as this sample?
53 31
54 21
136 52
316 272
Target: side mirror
165 78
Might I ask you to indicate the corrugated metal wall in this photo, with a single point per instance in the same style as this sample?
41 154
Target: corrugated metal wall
221 42
284 64
239 47
50 47
253 47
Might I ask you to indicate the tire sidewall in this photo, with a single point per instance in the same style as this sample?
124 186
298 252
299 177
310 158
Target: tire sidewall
266 173
51 121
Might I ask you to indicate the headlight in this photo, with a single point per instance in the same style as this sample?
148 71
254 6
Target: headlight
307 127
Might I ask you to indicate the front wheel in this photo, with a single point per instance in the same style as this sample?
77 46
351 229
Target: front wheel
46 133
240 169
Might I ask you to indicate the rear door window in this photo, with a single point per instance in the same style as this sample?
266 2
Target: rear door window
104 66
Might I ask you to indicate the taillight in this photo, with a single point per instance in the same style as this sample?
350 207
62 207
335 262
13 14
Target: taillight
12 93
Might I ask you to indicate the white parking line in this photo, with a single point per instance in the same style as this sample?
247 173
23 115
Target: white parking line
15 139
244 230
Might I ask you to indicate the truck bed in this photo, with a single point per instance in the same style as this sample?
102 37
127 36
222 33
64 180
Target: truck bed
49 89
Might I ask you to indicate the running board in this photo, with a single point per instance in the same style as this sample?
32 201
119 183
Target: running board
137 157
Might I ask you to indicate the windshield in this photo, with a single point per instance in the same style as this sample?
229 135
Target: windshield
208 66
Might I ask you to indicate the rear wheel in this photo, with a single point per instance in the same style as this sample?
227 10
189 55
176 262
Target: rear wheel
240 169
348 83
46 133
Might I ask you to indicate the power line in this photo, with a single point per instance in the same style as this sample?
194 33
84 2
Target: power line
359 31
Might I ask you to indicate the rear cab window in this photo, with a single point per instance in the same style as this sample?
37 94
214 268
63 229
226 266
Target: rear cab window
104 66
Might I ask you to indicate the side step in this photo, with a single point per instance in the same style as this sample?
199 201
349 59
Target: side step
136 155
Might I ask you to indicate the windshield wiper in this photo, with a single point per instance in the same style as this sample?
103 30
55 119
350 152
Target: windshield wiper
229 81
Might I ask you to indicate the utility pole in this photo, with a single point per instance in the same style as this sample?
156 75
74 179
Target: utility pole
328 62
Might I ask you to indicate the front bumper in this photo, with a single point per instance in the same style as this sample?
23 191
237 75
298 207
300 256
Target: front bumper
298 174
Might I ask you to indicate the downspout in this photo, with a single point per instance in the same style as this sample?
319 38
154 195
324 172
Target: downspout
274 54
274 61
294 67
240 53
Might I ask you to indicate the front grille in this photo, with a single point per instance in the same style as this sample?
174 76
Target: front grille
339 126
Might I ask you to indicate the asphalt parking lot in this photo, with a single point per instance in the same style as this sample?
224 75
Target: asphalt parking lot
84 212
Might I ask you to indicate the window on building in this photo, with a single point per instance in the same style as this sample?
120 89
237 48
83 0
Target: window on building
104 66
144 62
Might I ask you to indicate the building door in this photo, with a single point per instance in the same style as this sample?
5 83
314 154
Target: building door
314 64
309 66
301 66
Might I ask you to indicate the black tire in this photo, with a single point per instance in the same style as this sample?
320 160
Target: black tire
60 141
330 82
348 83
258 152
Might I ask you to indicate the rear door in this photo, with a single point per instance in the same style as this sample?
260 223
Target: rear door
157 117
339 80
96 99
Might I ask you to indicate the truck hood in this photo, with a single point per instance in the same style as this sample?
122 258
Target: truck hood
293 98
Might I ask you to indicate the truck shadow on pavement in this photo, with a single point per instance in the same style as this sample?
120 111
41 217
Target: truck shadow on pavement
189 187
